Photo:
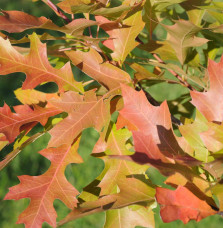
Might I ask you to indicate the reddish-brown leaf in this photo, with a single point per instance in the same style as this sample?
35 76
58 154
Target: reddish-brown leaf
109 29
16 21
181 204
210 103
44 189
11 123
36 66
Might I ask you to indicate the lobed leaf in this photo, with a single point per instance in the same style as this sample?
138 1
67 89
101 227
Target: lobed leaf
124 38
92 64
11 124
44 189
208 103
181 204
36 66
154 136
182 37
91 112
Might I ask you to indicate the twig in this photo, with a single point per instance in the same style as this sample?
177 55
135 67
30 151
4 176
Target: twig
184 83
57 10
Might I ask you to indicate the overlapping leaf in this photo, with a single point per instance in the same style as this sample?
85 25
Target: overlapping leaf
154 135
16 21
11 124
124 38
92 64
31 96
144 133
182 36
191 132
84 112
93 7
181 204
133 191
36 66
129 217
44 189
116 170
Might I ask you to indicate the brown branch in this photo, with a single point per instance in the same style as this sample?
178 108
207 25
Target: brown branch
57 10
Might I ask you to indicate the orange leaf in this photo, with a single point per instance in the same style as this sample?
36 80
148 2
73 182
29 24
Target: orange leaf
208 103
92 64
11 123
84 112
181 204
44 189
35 65
16 21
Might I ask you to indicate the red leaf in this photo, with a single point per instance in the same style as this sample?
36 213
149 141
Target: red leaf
11 123
181 204
154 136
210 103
44 189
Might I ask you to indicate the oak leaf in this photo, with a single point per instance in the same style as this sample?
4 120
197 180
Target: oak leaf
83 112
92 64
17 21
116 170
132 191
11 123
130 217
181 204
36 66
31 96
44 189
210 105
124 38
154 135
182 36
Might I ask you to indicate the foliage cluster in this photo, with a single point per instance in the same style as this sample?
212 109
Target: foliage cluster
103 60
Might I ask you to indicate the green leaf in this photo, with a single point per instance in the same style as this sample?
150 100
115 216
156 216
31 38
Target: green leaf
182 36
130 217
